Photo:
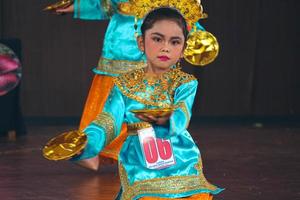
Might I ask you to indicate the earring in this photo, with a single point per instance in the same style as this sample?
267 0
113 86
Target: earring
135 26
178 66
142 50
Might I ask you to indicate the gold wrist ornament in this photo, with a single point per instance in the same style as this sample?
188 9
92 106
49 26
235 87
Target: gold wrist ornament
202 47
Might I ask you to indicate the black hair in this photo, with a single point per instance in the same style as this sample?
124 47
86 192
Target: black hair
164 13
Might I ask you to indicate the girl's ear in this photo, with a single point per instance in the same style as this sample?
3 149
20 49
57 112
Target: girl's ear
182 52
140 42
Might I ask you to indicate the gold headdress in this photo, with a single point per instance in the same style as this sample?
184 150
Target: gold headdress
202 46
191 10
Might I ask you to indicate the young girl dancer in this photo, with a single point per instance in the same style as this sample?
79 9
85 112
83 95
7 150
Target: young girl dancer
159 159
120 54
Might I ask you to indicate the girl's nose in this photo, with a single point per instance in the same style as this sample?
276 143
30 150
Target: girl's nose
165 48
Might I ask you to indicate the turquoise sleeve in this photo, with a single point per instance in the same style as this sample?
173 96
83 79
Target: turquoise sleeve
105 127
183 100
89 10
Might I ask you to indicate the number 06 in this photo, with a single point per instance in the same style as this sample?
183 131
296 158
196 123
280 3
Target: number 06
154 148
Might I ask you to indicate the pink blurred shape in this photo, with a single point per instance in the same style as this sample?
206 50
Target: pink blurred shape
8 64
8 82
9 78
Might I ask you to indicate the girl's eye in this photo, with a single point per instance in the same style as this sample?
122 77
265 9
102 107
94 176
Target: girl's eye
175 42
156 39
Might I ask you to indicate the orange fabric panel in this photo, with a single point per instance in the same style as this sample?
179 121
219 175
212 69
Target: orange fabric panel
203 196
99 91
112 150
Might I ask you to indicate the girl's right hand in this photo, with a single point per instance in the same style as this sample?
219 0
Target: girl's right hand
69 9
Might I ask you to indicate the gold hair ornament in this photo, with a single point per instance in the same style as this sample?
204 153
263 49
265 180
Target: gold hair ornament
202 48
191 10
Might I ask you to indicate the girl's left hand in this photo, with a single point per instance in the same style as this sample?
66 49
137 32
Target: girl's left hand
69 9
152 119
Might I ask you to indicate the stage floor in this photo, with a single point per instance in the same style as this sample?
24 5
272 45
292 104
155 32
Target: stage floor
252 163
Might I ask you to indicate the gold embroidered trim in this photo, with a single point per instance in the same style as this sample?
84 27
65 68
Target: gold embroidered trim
110 153
106 5
118 66
166 185
132 128
185 110
107 122
78 9
152 91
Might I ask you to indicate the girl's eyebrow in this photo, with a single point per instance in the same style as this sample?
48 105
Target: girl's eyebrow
176 38
161 35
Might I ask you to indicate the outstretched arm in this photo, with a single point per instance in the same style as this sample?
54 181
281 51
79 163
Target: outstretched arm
87 9
69 9
102 130
91 9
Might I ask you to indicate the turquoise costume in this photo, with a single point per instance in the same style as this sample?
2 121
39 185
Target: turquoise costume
135 90
120 52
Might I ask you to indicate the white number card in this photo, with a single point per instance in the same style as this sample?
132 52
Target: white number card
158 153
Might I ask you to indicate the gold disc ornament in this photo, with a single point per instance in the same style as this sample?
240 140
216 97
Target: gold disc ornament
65 145
202 48
156 112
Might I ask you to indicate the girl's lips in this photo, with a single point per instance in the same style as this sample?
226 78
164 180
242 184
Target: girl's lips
163 58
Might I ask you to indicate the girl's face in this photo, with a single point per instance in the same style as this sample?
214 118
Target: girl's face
163 45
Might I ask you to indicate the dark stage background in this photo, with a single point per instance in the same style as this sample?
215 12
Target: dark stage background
255 74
